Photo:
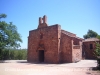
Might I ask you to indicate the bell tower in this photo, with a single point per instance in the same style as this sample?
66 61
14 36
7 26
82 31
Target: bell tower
42 22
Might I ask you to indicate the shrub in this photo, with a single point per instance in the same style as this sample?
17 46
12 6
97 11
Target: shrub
97 50
14 54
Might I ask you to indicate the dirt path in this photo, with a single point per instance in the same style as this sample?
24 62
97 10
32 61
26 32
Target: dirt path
21 67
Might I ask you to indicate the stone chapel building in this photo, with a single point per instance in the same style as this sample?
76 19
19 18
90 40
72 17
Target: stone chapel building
51 44
88 48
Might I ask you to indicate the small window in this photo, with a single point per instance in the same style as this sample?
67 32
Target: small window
91 46
41 36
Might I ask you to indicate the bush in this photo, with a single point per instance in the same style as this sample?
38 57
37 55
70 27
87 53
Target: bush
97 50
14 54
97 53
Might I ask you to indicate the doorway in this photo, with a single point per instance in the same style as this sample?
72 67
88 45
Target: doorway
41 55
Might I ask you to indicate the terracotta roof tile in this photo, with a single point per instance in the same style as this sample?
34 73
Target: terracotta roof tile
91 39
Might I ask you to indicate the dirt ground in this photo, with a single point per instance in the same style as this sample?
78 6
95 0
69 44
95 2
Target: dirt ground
22 67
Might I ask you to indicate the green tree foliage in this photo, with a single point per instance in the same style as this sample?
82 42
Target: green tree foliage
3 16
97 50
90 34
98 36
9 37
14 54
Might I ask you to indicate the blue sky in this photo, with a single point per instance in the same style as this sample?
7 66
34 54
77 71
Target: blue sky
76 16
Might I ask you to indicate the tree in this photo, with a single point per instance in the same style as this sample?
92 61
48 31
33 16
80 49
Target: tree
90 34
97 49
98 37
3 16
9 37
97 54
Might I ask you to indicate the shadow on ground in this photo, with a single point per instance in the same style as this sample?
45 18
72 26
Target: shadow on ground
95 68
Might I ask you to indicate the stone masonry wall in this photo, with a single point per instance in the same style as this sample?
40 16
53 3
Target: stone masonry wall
76 50
77 54
66 48
87 51
46 38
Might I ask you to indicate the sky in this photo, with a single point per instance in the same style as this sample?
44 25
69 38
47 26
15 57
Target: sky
76 16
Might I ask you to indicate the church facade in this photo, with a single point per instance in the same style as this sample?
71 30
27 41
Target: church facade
51 44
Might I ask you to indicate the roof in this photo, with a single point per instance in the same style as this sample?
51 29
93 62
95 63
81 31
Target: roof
91 39
71 34
68 33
